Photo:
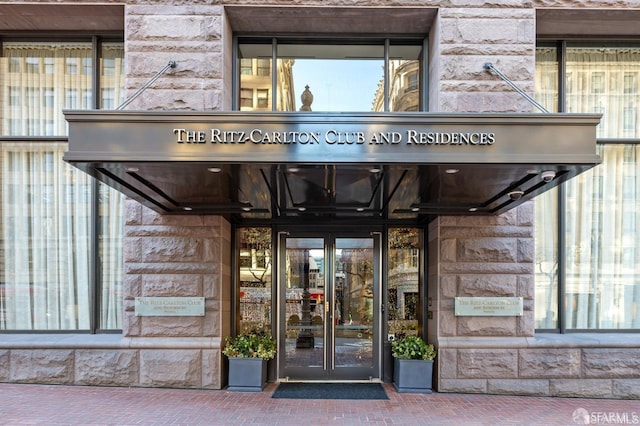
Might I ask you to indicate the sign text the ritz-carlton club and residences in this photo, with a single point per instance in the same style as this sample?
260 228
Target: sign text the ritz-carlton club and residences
331 137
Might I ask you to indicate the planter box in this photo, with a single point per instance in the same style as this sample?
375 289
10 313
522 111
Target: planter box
247 374
413 375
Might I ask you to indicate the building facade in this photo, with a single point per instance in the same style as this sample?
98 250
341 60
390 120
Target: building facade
176 173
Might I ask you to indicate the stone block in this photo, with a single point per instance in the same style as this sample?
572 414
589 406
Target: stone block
167 249
172 268
462 385
176 285
626 388
611 363
447 361
488 268
486 326
581 388
179 368
549 363
448 250
448 323
489 230
106 367
518 387
488 286
132 249
487 250
4 365
448 286
488 363
526 324
211 288
171 326
211 324
131 324
526 213
526 250
154 27
132 286
212 371
46 366
526 287
132 212
487 102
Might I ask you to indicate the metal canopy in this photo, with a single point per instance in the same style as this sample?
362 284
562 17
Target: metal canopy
372 166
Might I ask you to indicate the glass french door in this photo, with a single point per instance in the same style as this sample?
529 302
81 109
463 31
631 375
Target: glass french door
329 306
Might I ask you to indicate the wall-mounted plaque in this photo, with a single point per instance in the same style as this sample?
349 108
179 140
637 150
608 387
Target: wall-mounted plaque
169 306
489 306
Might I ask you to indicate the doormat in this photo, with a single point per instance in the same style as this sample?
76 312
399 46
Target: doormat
330 391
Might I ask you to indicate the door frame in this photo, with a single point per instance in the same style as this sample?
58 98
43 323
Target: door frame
328 371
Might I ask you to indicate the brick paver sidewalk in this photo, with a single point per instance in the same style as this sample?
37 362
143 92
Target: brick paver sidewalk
76 405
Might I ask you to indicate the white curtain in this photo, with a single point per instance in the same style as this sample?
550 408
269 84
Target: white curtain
602 205
45 215
603 276
603 244
605 80
546 206
111 231
46 253
43 79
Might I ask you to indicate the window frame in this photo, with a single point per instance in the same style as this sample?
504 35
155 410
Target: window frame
387 43
565 79
94 280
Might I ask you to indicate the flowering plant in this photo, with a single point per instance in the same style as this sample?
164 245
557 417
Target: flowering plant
254 344
412 347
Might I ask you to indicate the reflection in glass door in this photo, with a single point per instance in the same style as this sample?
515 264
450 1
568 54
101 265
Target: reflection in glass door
329 308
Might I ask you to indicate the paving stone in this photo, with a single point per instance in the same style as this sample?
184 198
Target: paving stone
82 405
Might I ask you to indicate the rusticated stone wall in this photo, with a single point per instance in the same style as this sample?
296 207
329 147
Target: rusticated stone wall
468 256
494 256
178 256
547 365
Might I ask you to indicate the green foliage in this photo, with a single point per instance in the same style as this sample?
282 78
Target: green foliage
412 347
254 344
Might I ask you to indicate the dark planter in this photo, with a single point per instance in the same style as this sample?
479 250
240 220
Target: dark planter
247 374
413 375
387 363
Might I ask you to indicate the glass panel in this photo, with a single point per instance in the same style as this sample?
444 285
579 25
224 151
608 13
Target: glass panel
112 76
45 235
546 205
255 279
339 77
404 79
547 78
603 243
402 289
32 75
546 275
110 239
605 80
255 77
330 77
305 298
353 305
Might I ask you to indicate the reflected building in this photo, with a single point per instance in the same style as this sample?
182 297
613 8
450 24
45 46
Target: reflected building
256 83
404 93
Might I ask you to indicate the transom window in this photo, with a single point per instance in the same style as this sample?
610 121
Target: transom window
330 75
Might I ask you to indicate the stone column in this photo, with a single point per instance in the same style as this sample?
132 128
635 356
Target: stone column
184 255
490 255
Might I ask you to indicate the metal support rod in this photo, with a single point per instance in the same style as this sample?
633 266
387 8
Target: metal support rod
171 64
489 66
